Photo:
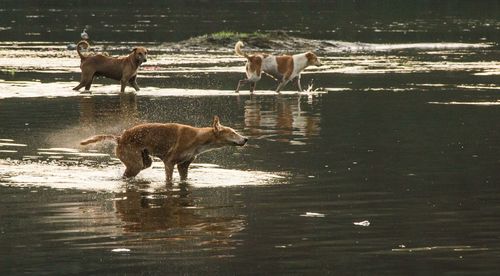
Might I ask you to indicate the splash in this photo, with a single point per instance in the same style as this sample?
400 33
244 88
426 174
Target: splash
108 177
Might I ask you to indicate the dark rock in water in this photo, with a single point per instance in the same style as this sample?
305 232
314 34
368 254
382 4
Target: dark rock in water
71 46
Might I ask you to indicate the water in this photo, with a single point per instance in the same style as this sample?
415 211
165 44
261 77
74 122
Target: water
390 168
360 20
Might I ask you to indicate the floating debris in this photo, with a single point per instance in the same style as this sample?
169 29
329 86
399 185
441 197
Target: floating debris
364 223
120 250
313 215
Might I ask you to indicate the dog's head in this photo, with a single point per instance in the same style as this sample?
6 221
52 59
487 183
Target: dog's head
140 54
312 59
226 135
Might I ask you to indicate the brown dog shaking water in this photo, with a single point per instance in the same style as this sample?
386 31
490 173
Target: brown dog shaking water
123 68
174 144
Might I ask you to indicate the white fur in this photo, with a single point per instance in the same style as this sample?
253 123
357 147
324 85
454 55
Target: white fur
299 64
252 75
269 65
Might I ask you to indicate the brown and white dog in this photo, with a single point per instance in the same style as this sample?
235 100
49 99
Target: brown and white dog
123 69
285 68
174 144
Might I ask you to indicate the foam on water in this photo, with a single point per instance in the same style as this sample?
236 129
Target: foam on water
484 103
383 47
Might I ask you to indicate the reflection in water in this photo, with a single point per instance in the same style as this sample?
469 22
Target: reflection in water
76 214
180 216
124 113
283 116
145 211
98 115
166 220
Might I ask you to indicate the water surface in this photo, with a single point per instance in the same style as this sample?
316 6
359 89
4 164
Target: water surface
388 166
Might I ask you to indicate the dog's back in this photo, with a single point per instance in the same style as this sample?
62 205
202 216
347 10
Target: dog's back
157 138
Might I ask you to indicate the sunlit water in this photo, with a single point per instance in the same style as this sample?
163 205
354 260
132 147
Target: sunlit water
328 182
389 165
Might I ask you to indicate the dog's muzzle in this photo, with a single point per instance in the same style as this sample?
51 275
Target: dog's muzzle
245 140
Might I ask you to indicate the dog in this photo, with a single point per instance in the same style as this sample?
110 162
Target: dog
285 68
174 144
123 69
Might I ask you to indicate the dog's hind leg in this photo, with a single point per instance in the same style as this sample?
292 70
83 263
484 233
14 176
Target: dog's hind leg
169 170
79 86
252 86
84 82
240 83
147 161
86 79
131 158
88 84
131 171
183 168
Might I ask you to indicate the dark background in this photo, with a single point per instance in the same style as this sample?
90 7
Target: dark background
160 21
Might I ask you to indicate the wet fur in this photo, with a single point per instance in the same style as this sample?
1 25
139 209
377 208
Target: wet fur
174 144
123 69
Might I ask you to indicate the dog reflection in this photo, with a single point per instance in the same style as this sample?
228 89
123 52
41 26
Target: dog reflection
283 115
146 212
105 114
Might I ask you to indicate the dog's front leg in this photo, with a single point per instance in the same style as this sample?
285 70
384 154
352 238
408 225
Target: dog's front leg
299 87
133 83
183 168
123 83
169 171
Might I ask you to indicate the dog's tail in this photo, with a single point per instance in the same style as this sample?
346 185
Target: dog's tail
238 51
98 138
83 42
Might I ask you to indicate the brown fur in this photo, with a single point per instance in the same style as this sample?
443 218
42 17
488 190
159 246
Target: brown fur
123 69
285 65
255 63
174 144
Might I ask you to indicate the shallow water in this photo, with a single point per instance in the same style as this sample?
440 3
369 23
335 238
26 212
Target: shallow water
424 175
390 166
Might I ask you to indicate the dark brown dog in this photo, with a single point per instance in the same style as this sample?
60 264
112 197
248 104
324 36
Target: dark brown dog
174 144
123 69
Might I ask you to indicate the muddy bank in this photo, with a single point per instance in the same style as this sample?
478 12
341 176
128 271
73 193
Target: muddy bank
280 41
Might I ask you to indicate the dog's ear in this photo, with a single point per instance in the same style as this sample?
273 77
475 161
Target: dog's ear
216 124
135 49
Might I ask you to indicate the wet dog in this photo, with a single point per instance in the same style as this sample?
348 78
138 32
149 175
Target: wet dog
285 68
174 144
123 69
